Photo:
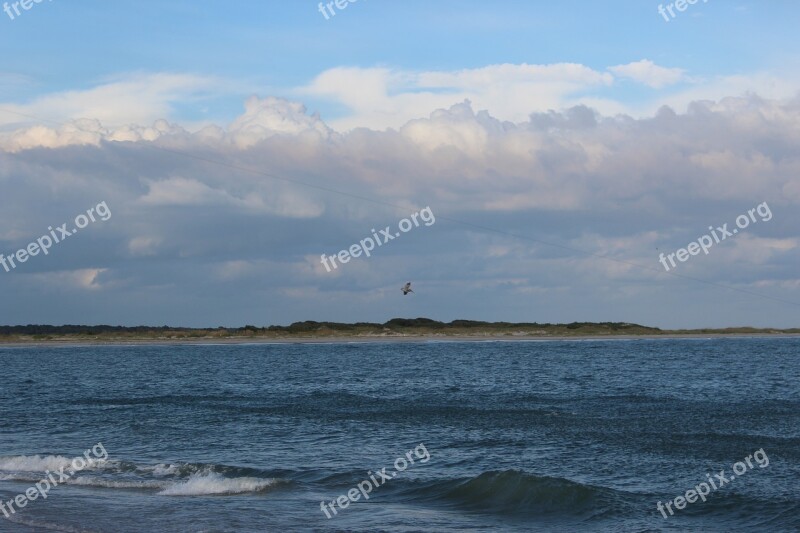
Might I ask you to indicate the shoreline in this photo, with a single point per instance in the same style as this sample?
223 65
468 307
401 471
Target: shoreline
364 339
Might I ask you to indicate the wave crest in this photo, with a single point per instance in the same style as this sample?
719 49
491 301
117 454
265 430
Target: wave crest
212 483
43 463
181 479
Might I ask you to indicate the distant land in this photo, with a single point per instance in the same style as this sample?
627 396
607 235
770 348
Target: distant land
397 328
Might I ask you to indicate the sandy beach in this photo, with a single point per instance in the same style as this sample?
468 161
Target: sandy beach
382 339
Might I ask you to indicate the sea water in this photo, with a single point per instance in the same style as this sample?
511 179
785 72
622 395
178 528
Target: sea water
521 436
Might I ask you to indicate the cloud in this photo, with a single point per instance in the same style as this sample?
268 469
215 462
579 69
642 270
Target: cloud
648 73
458 127
183 191
367 97
86 279
179 191
241 238
390 98
144 246
117 101
83 132
271 116
262 119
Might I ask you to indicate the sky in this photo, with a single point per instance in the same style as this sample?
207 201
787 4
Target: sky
555 150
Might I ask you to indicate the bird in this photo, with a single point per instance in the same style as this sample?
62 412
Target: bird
406 289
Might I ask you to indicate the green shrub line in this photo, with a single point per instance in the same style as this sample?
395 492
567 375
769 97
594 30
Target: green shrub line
394 327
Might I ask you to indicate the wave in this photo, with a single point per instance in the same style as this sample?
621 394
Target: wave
43 463
142 484
213 484
512 492
169 479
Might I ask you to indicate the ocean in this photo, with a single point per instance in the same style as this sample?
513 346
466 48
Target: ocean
584 435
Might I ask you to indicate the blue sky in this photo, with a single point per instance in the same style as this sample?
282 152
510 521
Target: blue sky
595 125
277 46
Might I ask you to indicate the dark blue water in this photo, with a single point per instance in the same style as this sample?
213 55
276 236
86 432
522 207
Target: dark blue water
519 436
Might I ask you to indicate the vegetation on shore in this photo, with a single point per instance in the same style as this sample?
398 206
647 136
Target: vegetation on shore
397 327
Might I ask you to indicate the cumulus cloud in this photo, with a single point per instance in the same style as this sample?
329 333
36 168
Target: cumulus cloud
271 116
83 132
262 119
248 229
390 98
458 127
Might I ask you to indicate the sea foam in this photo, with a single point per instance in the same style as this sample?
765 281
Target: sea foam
212 483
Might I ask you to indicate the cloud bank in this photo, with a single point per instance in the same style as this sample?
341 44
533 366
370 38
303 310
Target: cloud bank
226 224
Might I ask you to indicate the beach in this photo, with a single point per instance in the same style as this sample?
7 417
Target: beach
345 339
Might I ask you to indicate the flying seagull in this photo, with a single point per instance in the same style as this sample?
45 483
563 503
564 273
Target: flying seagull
407 288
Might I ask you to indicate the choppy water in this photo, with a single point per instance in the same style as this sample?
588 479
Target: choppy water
521 436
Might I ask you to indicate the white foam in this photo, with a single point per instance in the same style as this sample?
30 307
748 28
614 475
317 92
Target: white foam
89 481
202 482
209 484
34 463
31 476
165 470
160 470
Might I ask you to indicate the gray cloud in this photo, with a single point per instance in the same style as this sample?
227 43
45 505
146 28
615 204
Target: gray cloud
225 226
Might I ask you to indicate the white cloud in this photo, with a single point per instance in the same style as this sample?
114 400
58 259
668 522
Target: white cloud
83 132
262 119
376 98
457 127
132 98
648 73
380 97
271 116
